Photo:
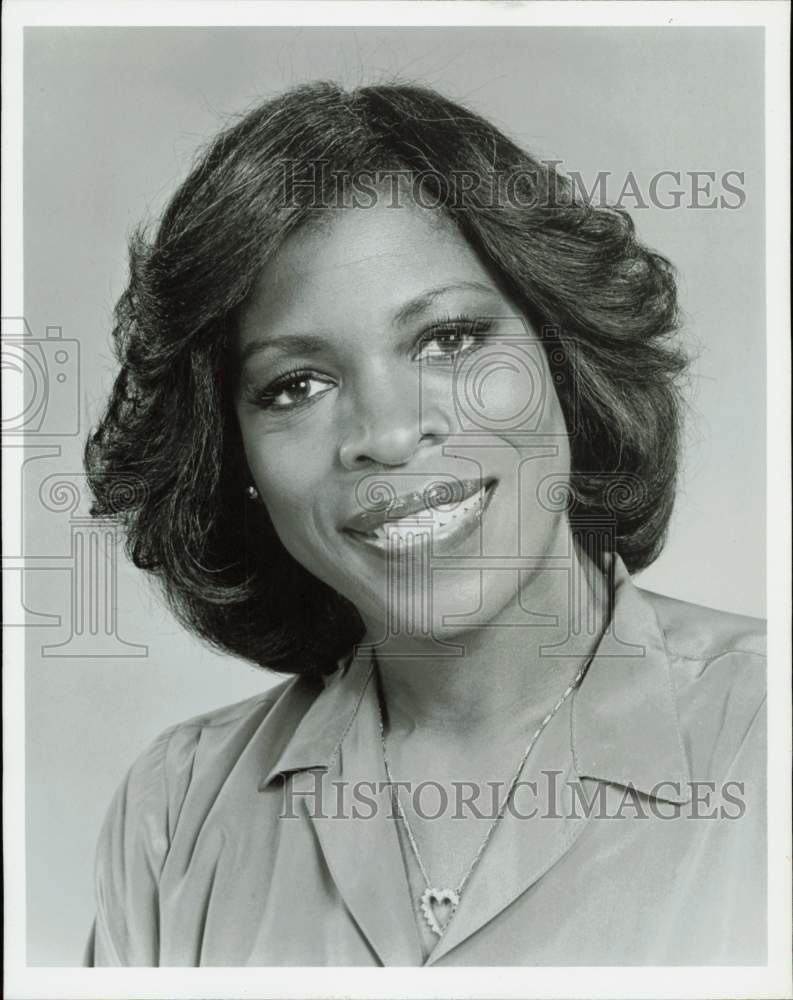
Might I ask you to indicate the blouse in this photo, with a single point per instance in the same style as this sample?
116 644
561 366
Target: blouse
243 837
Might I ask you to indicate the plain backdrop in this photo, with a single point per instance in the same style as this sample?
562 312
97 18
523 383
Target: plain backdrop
112 120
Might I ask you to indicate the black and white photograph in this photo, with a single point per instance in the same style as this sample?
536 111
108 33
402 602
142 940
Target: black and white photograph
396 490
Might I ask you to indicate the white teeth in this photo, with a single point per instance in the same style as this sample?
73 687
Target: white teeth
443 516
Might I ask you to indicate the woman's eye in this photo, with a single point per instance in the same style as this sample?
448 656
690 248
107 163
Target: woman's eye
451 341
292 390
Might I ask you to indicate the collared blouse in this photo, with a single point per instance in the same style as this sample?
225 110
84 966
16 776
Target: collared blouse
643 841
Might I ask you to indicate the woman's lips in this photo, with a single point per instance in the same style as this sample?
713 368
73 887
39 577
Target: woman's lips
438 495
440 527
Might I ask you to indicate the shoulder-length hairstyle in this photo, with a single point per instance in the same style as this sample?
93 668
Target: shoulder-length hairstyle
166 458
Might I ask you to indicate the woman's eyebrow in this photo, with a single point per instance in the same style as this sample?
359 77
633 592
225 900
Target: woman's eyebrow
297 343
415 307
302 343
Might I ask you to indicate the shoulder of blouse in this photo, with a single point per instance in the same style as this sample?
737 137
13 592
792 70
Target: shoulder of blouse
162 773
139 824
692 631
717 668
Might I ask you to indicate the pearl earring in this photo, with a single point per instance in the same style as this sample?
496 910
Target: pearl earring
253 493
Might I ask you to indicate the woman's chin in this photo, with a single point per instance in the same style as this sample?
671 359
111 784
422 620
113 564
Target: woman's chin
460 600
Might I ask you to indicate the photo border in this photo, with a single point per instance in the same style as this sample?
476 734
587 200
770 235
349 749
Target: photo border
773 980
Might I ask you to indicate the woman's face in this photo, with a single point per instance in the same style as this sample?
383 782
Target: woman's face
377 359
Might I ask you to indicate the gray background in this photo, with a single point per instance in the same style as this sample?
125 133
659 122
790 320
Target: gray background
112 119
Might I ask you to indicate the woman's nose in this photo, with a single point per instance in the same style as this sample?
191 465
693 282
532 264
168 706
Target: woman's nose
387 424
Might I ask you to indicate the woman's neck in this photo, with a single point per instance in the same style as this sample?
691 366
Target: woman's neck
507 677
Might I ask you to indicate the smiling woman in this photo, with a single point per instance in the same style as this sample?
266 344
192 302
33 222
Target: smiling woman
402 310
399 415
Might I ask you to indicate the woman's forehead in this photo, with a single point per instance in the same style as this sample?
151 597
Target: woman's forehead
354 237
374 259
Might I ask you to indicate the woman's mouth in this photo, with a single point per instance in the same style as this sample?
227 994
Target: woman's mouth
439 527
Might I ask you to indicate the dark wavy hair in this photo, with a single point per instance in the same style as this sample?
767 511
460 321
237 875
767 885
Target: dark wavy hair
166 458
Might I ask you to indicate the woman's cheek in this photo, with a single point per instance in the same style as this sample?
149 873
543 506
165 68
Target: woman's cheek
504 389
286 486
292 476
289 464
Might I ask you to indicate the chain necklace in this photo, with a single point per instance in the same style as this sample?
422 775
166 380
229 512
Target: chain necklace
447 900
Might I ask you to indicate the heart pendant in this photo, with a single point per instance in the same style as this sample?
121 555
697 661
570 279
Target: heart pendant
438 906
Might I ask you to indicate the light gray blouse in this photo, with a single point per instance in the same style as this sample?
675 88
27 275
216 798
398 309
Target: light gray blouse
644 843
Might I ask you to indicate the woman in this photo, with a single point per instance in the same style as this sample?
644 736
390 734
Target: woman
398 416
